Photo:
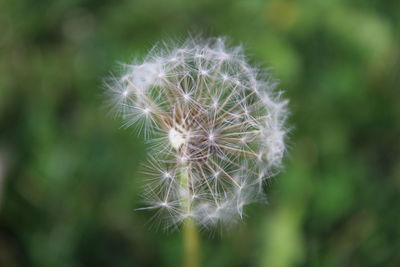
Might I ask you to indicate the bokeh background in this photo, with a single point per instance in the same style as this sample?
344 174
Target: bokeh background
69 181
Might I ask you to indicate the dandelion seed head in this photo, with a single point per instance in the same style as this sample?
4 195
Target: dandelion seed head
213 119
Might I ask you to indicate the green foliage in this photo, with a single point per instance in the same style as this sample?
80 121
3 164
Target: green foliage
69 177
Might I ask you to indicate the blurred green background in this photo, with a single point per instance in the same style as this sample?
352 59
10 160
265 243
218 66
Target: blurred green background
69 179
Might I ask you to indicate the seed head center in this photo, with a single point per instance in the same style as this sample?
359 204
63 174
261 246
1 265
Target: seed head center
176 138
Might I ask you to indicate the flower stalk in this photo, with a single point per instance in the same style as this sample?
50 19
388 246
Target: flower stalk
191 243
191 247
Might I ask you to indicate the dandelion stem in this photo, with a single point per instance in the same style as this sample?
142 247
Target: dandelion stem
191 243
190 233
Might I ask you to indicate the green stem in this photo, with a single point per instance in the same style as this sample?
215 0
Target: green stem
191 243
190 233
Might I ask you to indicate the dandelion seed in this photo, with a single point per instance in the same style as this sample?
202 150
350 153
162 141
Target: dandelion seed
203 72
217 125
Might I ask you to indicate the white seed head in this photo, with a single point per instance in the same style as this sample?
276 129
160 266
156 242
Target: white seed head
217 126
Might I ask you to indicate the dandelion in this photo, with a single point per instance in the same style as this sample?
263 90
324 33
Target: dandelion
216 125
